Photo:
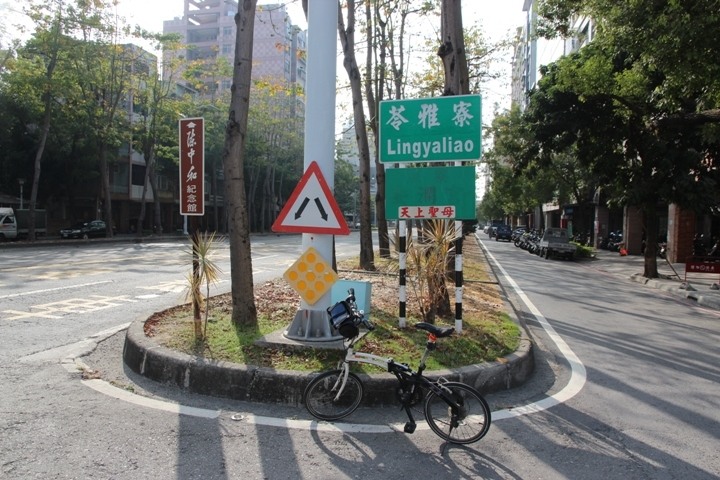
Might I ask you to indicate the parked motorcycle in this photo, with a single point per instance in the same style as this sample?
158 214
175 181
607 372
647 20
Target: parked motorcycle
615 241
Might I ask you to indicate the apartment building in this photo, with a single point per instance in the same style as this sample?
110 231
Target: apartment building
208 30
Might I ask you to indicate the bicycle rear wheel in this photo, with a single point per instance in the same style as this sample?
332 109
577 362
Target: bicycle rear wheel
320 395
463 425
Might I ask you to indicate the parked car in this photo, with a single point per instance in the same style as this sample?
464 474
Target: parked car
503 232
555 242
94 228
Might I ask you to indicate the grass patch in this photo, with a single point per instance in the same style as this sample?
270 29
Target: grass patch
584 251
488 332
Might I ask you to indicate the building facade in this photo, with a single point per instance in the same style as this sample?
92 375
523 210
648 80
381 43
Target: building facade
208 31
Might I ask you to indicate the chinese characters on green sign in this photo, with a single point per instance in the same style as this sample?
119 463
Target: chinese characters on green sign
430 129
440 192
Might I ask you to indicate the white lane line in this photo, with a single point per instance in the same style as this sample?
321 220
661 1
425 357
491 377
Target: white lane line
313 424
111 391
578 375
35 292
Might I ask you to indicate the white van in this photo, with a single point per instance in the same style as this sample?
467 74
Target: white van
16 223
8 224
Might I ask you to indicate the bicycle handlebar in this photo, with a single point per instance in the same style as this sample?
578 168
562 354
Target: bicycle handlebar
367 324
357 312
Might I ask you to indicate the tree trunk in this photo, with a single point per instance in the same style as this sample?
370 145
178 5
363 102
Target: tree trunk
243 299
650 220
347 40
452 49
143 201
106 194
452 53
251 198
213 183
157 206
47 115
38 164
374 94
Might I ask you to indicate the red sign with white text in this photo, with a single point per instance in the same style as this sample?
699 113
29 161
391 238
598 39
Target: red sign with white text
192 166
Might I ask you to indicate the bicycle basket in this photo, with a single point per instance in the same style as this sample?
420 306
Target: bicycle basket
343 319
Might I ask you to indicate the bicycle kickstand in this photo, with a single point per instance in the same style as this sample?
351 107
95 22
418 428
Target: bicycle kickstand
411 425
447 442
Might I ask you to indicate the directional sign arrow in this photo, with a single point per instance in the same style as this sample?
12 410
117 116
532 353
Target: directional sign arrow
298 212
323 213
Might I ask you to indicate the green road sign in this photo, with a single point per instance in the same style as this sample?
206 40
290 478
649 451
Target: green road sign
430 192
430 129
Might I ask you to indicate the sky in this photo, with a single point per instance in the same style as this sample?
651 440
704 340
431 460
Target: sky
498 17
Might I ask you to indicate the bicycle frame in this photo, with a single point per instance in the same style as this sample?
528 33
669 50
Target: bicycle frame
402 372
359 357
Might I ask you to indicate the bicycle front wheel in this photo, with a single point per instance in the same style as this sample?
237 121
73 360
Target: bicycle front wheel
467 423
321 395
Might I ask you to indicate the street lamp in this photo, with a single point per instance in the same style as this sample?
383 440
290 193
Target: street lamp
21 182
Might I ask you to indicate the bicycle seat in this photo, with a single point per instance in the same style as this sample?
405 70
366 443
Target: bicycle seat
439 332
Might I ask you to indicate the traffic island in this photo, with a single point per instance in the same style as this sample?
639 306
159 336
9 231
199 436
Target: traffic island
266 385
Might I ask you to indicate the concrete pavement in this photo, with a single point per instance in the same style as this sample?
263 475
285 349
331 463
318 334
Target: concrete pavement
701 288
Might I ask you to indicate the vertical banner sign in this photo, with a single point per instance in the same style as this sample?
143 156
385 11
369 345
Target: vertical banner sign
192 166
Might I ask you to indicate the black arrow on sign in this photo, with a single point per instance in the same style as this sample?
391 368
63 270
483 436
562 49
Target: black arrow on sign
298 214
323 214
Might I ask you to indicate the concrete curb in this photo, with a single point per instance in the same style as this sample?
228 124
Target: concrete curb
266 385
679 289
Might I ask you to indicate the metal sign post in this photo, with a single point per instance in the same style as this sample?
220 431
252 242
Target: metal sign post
192 188
311 321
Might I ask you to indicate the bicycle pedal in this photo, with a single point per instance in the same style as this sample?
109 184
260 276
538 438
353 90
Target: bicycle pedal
410 427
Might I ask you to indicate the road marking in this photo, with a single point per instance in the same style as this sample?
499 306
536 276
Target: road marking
578 374
176 286
18 315
126 396
47 290
56 310
318 426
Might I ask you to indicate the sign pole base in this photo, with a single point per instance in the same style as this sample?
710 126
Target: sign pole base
311 326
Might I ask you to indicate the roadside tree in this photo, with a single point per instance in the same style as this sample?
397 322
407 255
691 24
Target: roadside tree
244 310
637 107
347 40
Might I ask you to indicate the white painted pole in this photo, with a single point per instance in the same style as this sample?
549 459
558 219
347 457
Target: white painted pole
320 111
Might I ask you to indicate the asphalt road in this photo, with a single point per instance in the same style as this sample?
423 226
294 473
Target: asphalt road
626 384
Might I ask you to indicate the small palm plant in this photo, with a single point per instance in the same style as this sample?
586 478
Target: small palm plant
204 272
427 260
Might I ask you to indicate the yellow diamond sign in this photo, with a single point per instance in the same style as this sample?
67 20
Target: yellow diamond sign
311 276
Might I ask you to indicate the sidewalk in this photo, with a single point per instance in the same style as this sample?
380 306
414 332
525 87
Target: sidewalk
701 288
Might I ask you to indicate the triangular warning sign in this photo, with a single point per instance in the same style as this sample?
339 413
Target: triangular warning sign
311 208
